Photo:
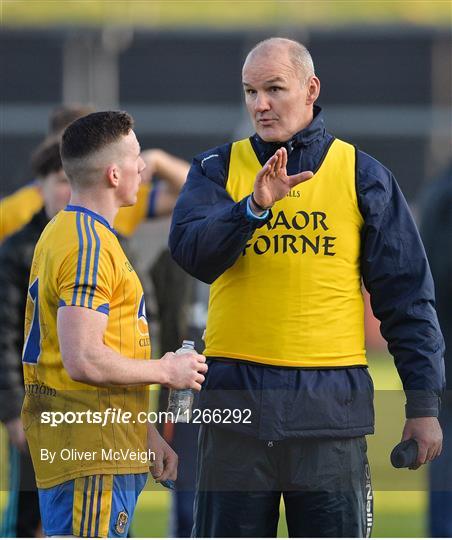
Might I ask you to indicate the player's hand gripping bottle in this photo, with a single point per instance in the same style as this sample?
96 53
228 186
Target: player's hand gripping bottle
180 402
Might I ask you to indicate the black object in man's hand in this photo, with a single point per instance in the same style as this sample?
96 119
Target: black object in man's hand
169 484
404 454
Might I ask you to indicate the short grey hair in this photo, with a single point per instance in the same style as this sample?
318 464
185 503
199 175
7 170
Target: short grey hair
299 55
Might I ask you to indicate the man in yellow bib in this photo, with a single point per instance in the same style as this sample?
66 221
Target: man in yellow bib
86 354
285 252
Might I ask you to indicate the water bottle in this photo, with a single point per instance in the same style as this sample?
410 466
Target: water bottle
180 402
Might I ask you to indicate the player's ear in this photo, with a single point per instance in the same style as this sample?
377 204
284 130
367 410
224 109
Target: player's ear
313 90
113 175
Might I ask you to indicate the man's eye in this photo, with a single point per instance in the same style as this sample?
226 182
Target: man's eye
275 88
250 91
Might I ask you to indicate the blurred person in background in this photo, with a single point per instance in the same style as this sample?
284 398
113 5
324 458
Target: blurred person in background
285 252
17 209
21 517
436 231
63 115
163 178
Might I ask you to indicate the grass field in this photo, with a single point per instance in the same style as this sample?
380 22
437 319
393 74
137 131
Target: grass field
397 514
223 13
400 513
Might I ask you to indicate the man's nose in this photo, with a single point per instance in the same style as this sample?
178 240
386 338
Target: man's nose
262 103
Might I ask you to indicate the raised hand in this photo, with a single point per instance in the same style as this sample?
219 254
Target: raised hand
272 182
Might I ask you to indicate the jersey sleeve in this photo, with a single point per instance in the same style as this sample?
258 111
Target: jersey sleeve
17 209
87 276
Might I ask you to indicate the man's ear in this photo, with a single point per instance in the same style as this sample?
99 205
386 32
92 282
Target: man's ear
113 175
313 90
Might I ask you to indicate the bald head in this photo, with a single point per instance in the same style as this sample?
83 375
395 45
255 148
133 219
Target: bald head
296 53
280 88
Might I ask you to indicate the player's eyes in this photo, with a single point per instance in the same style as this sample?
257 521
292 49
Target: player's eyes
250 91
275 88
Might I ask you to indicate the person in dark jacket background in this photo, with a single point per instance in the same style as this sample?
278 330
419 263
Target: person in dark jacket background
285 225
21 517
436 231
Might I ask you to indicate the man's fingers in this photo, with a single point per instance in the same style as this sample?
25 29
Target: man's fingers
270 165
170 468
279 160
157 466
200 378
283 158
436 452
268 168
280 166
296 179
421 455
195 386
202 368
431 453
440 449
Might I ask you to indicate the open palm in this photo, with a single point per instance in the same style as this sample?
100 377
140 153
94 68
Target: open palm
272 182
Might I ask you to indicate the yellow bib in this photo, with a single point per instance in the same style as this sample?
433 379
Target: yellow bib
293 297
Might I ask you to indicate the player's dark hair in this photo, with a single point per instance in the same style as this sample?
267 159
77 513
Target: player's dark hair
93 132
46 158
64 115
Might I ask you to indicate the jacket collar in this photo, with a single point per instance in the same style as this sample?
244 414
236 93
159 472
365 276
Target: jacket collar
306 136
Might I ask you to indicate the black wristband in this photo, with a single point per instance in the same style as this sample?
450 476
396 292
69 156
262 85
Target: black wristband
258 206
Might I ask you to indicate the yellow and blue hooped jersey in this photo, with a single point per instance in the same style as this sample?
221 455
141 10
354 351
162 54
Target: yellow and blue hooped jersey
78 262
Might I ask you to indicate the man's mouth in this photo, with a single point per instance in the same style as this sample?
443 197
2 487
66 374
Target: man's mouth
266 121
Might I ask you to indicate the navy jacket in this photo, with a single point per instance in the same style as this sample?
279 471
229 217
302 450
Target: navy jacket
208 233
